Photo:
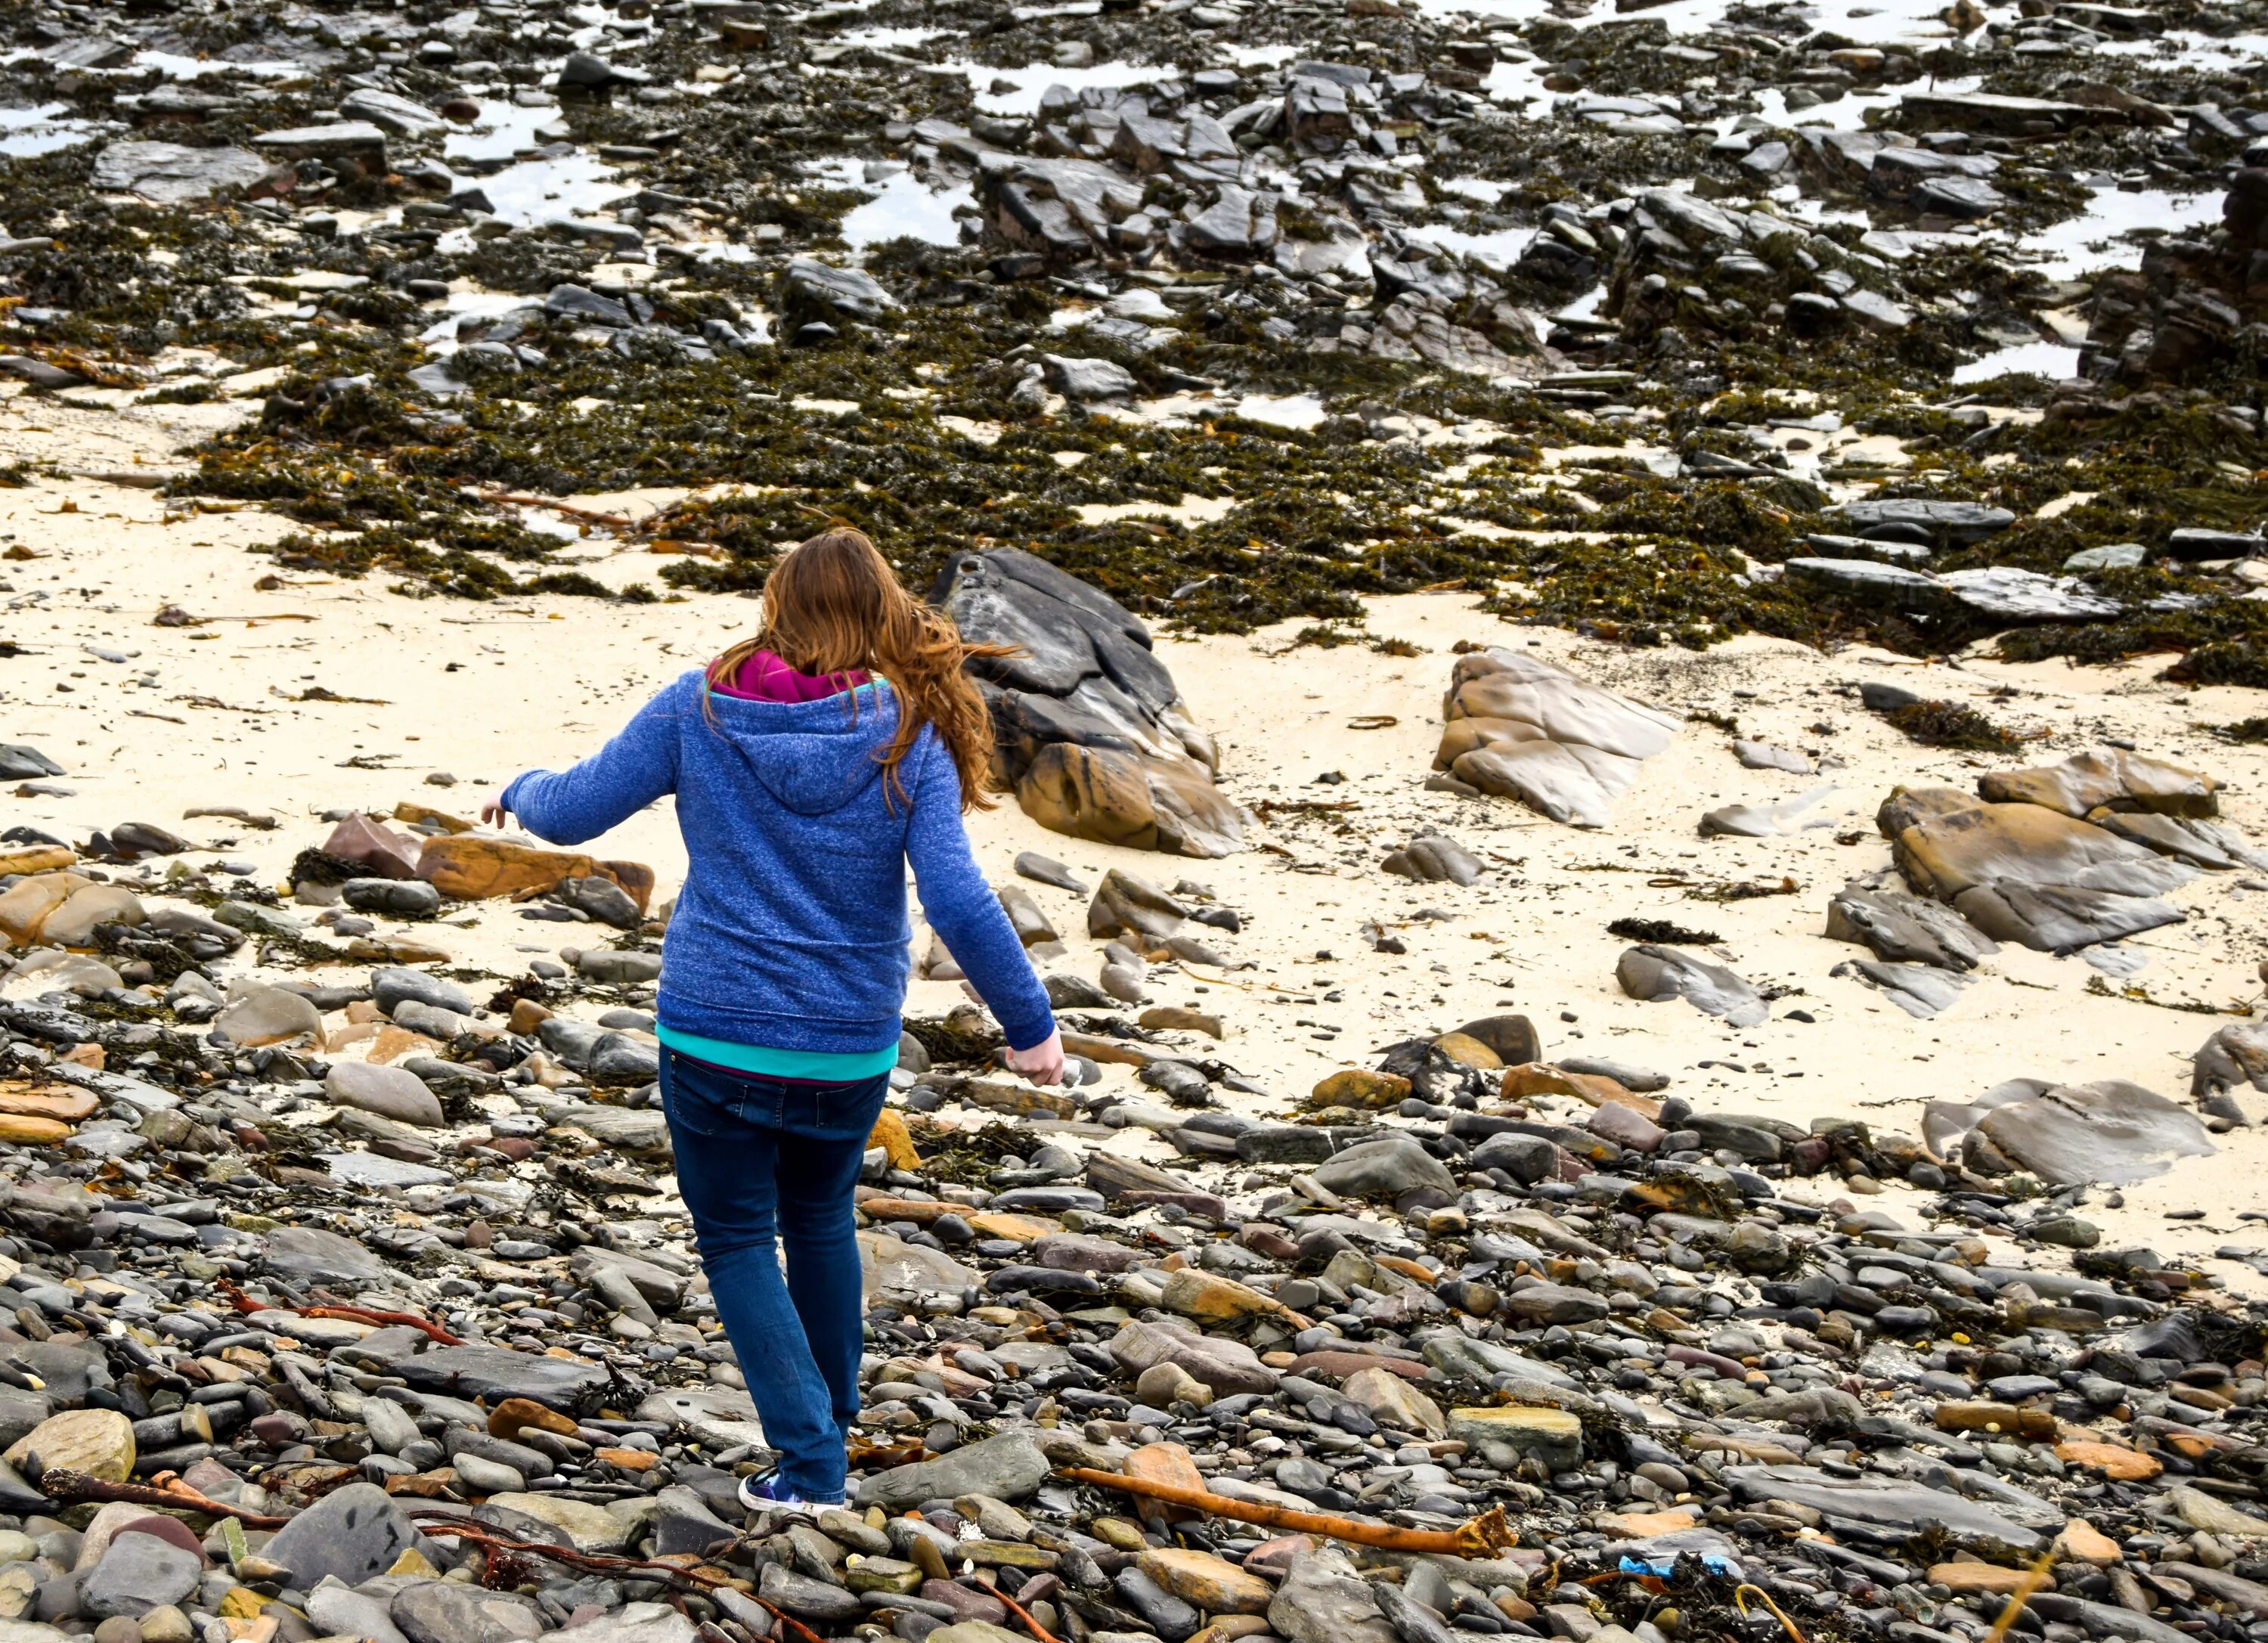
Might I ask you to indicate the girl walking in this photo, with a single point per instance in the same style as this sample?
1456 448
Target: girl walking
812 764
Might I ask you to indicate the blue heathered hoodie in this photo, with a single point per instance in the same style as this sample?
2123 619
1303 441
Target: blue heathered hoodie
790 931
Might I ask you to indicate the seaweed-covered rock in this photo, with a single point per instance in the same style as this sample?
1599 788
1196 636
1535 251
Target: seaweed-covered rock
821 291
1949 522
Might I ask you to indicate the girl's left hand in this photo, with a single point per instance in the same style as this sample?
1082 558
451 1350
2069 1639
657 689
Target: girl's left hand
493 813
1042 1063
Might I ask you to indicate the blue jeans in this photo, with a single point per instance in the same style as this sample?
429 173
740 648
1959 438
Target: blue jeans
761 1161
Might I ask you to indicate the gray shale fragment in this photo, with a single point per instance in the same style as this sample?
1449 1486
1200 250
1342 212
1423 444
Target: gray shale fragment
1655 973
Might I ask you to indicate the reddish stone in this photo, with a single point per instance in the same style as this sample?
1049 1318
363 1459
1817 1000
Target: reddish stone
386 853
965 1603
1341 1365
279 1428
166 1528
1274 1561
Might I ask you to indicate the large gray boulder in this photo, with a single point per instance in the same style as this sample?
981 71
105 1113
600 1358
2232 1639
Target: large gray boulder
1520 727
314 1256
494 1372
443 1611
1384 1168
1889 1504
2111 1132
1094 734
2029 873
352 1535
1322 1600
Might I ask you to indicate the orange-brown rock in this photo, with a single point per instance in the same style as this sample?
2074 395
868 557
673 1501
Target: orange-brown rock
476 869
2121 780
393 1043
2029 1423
1095 1048
25 905
921 1211
2112 1460
2080 1542
1541 1077
1174 1018
1409 1269
1468 1051
1165 1463
32 1131
410 811
1359 1087
1014 1228
1645 1525
516 1415
36 858
1090 793
635 877
891 1135
63 1102
395 950
1989 1578
1020 1099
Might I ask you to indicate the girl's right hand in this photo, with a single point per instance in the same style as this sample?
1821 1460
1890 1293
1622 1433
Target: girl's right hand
1042 1063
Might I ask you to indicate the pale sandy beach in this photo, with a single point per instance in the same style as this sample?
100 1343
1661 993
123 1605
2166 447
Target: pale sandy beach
210 714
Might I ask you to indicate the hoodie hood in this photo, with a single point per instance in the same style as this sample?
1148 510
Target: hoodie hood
814 758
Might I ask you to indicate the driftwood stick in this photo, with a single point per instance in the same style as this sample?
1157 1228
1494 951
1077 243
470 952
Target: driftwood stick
1483 1536
58 1484
2034 1578
245 1303
365 1315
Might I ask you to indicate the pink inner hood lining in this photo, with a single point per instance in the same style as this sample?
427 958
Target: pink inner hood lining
764 677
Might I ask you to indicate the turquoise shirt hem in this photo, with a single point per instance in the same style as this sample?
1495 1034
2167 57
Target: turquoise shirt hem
818 1066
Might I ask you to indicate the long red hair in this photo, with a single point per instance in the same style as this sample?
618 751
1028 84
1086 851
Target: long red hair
833 605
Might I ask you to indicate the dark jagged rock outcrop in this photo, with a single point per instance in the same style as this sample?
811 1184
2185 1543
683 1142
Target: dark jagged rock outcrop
1094 735
2198 301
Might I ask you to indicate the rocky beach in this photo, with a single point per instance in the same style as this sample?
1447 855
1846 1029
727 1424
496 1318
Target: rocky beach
1634 762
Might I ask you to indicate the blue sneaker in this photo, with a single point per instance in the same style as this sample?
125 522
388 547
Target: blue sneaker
768 1493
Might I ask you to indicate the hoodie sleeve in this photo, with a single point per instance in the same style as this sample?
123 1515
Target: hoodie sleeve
962 907
637 767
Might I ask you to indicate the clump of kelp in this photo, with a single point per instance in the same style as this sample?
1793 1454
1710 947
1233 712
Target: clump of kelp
1952 725
1322 517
